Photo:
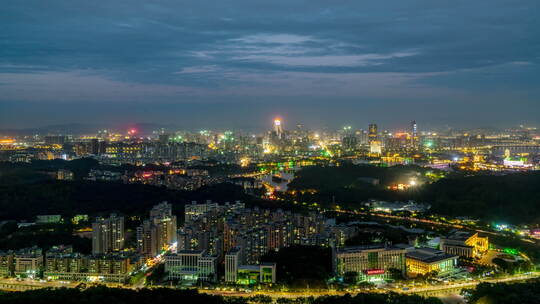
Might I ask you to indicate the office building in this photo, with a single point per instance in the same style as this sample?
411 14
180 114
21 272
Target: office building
375 147
238 273
372 133
466 244
370 262
428 260
27 262
48 219
191 266
6 264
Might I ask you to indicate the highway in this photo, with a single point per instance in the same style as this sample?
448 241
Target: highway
431 290
426 221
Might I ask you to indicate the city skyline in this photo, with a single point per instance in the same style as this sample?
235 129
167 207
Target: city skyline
149 129
269 152
233 65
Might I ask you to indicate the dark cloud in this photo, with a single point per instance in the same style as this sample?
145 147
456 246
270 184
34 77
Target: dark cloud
236 53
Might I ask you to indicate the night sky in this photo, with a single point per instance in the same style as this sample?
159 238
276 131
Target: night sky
239 63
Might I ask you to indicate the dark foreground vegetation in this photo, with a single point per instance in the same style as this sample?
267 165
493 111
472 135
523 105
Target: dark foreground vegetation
100 295
501 293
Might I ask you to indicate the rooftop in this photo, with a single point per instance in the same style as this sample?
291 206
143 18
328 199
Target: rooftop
367 247
460 235
429 255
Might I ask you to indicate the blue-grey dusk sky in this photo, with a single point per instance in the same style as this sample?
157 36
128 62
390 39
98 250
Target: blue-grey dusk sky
237 63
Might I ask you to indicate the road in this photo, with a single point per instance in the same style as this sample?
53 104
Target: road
426 221
438 290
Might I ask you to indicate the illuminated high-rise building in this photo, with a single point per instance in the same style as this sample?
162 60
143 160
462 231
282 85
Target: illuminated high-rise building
108 234
372 132
414 134
278 128
375 147
157 232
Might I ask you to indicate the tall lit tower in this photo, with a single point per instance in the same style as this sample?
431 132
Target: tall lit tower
414 134
372 132
277 128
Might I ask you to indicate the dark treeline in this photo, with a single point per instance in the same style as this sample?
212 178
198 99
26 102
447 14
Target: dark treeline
348 175
513 198
42 236
25 201
26 190
349 185
302 266
100 295
14 172
503 293
18 172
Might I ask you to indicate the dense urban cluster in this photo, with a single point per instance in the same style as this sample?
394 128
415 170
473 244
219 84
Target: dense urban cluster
475 149
235 239
279 212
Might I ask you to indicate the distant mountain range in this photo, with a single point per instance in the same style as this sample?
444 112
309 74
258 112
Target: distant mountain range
79 129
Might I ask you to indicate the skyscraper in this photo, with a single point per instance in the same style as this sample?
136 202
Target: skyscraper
372 132
158 231
108 234
414 134
277 128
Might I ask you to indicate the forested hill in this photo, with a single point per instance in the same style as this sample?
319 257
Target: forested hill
25 201
513 198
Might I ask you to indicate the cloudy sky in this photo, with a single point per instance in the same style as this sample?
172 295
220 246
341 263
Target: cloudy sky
238 63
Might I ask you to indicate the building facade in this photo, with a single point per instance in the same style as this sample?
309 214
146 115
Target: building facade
108 235
466 244
428 260
370 263
191 266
